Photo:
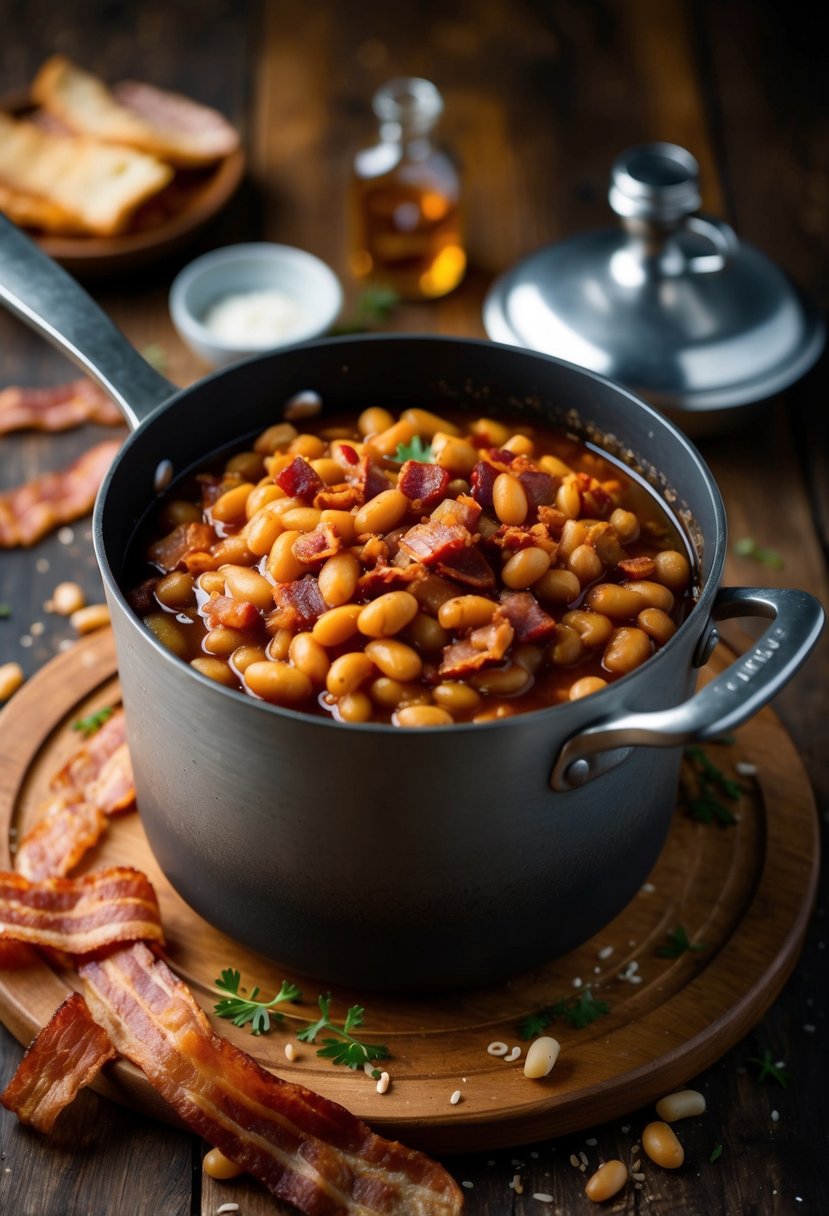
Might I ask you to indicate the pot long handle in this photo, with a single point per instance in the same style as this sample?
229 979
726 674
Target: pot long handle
43 295
735 695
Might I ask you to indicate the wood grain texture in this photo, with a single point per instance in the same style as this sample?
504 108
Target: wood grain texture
541 95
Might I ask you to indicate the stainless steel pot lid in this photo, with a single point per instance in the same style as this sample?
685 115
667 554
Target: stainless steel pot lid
670 303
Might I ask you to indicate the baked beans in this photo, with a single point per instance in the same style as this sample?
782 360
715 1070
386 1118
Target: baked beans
417 569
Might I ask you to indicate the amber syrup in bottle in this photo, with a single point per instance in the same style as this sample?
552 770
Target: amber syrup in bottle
405 198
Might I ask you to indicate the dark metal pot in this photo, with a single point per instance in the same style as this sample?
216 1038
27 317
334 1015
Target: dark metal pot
373 856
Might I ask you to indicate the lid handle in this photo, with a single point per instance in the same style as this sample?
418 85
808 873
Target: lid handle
658 183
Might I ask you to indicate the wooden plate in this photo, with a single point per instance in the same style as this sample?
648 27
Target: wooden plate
745 891
160 227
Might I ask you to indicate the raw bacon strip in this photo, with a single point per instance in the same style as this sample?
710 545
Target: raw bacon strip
529 620
488 644
434 541
57 408
169 552
225 610
68 1054
307 1150
423 484
58 841
298 604
30 511
78 915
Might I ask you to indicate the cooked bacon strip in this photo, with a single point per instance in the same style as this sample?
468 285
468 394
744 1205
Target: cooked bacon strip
488 644
317 545
190 133
142 598
86 764
307 1150
470 567
539 487
169 553
70 827
423 484
114 790
529 620
57 408
340 497
30 511
67 1054
386 578
463 510
299 480
434 541
298 604
482 481
233 613
637 567
78 915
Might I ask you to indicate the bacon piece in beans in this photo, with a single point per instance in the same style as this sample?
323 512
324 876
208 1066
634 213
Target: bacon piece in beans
299 480
298 604
423 484
169 552
434 541
142 598
488 644
315 546
463 510
340 497
470 567
637 567
539 487
230 612
529 620
387 578
482 481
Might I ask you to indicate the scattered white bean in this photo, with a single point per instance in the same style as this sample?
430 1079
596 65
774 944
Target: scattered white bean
383 1083
94 616
605 952
11 677
455 1098
681 1105
541 1057
67 598
542 1197
290 1051
745 769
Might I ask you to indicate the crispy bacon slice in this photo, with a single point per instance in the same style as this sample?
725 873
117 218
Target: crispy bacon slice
298 604
192 134
434 541
86 764
482 480
539 487
307 1150
69 1052
70 827
423 484
169 553
299 480
386 578
30 511
225 610
318 545
463 510
56 408
340 497
637 567
529 620
79 915
470 567
488 644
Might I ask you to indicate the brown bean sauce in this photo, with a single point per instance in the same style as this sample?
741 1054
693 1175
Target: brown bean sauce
529 520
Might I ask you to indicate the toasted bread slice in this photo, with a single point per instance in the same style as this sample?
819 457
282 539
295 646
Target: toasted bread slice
167 125
74 183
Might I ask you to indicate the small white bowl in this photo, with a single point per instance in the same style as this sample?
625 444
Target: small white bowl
242 270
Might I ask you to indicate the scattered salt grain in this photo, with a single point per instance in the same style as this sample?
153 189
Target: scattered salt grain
26 641
36 629
625 1128
66 535
591 1142
648 888
809 1028
227 1207
42 565
497 1049
542 1197
583 1157
775 1116
468 1185
745 769
574 1161
455 1098
577 982
605 952
290 1051
637 1177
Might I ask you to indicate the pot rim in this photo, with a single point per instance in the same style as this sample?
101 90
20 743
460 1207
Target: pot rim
698 614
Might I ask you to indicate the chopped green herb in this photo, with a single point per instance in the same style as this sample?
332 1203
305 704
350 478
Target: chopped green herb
679 943
415 450
241 1009
156 356
704 802
716 1154
768 1068
748 547
345 1048
5 610
373 306
92 723
577 1011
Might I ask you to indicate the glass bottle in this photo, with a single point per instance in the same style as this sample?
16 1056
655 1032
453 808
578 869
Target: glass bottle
405 198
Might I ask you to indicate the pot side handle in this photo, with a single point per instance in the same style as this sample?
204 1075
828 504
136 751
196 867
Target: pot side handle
43 295
734 696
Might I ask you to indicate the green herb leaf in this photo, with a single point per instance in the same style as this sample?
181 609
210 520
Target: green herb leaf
704 801
156 356
748 547
577 1011
345 1048
716 1154
373 306
92 723
5 610
415 450
769 1069
679 943
241 1009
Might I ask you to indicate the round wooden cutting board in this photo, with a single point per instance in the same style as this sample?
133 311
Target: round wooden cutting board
745 891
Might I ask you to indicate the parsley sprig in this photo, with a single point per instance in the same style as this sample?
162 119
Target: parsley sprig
712 784
678 943
577 1011
770 1070
373 306
92 723
341 1047
242 1009
5 611
716 1153
747 546
416 449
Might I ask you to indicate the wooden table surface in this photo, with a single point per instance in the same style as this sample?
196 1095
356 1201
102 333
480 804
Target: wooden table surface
539 99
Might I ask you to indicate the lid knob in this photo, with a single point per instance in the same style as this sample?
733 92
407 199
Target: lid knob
655 182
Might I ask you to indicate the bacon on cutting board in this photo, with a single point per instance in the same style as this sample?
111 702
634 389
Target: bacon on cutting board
57 408
79 915
67 1054
307 1150
30 511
